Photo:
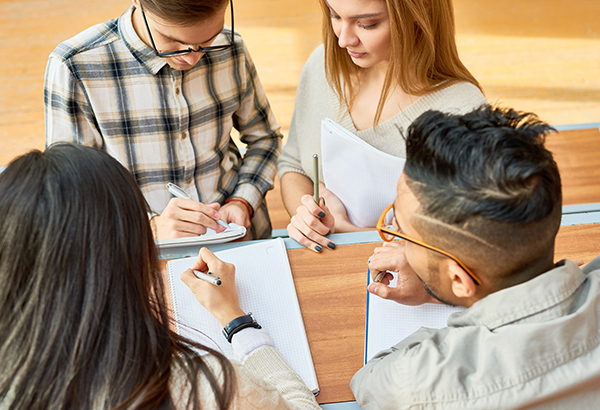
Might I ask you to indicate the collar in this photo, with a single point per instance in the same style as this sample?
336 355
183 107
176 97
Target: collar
142 52
533 297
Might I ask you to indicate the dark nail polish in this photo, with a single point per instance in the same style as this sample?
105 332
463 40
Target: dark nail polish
331 245
318 248
321 214
328 232
323 200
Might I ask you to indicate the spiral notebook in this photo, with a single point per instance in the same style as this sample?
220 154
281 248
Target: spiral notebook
209 238
389 322
265 288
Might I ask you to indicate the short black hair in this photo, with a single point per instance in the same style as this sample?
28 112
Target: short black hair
488 174
490 162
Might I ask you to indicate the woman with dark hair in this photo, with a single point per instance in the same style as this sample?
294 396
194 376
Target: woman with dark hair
83 316
382 64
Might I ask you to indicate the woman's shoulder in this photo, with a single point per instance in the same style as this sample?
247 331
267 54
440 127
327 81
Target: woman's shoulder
316 58
460 97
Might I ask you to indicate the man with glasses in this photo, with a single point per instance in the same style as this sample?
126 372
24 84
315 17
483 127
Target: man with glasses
161 88
478 208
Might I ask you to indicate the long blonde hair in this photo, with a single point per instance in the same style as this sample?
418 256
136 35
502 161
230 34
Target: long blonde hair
423 54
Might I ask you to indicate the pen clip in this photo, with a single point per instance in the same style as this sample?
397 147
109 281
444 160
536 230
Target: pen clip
214 275
177 191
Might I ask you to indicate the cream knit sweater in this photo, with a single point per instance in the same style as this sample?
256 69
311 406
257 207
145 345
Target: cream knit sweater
316 100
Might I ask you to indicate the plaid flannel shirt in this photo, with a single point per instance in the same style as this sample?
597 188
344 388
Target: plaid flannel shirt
108 89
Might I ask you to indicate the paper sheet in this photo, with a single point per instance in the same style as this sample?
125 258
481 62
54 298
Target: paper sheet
389 322
361 176
209 238
265 288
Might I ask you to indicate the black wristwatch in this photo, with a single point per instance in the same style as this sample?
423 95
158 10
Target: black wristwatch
238 324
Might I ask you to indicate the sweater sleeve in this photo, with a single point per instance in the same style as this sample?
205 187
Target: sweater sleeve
267 381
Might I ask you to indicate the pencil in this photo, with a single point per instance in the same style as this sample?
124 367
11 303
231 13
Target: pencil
316 177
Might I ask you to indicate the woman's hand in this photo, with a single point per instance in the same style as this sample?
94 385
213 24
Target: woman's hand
311 224
221 301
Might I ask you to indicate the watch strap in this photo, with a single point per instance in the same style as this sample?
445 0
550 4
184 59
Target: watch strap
238 324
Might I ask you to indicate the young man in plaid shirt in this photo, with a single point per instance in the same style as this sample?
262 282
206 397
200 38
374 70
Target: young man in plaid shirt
160 88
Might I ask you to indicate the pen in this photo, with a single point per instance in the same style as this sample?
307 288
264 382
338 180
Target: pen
209 277
180 193
316 177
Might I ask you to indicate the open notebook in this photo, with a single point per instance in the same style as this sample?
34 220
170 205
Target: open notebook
389 322
210 237
265 288
361 176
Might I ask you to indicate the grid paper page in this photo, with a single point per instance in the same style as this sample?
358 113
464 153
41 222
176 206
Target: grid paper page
389 322
266 288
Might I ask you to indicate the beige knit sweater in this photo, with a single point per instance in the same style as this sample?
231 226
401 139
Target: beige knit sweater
316 100
264 381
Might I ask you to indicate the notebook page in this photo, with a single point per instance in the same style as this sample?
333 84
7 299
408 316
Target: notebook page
265 288
210 237
389 322
361 176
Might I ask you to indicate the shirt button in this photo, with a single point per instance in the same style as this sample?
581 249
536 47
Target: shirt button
183 135
177 91
189 181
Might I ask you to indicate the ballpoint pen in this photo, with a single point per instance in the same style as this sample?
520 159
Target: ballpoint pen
180 193
316 177
209 277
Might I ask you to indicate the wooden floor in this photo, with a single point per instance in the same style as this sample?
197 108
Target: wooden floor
540 55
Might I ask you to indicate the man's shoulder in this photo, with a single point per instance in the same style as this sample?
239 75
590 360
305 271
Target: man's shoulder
90 40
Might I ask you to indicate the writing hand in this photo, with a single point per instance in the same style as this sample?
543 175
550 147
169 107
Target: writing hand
221 301
409 289
311 223
186 217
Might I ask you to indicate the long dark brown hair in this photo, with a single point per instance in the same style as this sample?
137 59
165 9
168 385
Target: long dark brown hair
83 316
423 54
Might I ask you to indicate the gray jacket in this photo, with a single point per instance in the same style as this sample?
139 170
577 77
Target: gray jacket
533 345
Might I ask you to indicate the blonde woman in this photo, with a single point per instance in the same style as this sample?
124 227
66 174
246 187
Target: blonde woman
382 64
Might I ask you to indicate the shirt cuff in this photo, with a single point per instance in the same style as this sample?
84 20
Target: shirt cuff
247 341
249 193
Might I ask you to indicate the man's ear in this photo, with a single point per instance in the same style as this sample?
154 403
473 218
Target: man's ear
463 286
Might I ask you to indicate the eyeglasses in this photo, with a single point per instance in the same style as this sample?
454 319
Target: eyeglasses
178 53
388 235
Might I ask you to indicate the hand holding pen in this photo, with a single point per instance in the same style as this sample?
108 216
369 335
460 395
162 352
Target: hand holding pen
313 220
185 217
222 300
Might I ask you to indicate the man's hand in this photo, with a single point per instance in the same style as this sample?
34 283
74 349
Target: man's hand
409 289
221 301
186 217
237 213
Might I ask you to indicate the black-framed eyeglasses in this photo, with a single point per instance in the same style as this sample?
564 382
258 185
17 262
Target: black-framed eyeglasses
388 235
177 53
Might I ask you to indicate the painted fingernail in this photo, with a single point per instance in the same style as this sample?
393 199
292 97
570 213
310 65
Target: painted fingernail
318 248
323 200
329 232
331 245
321 214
